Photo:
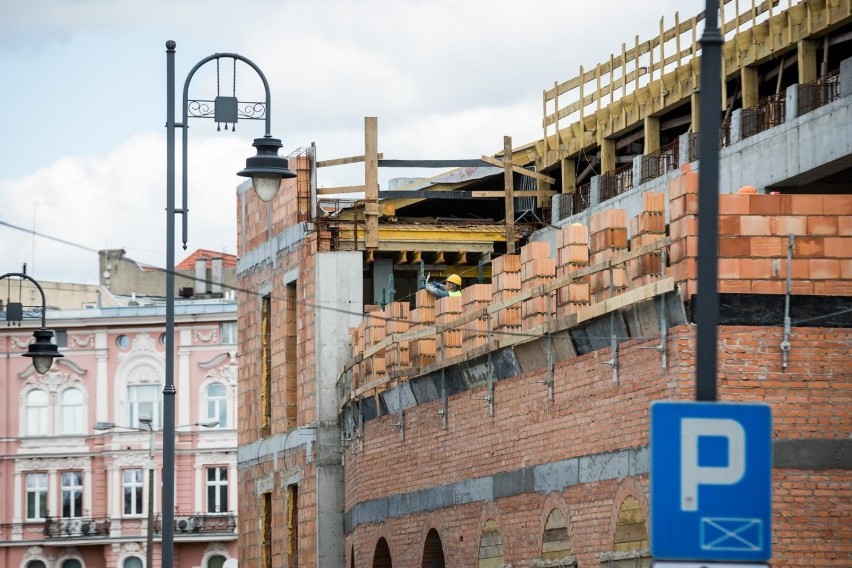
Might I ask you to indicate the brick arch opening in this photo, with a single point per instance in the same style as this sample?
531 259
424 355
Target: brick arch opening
555 544
631 530
433 551
382 555
491 546
352 557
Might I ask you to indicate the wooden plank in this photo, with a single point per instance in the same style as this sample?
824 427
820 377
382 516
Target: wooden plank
341 189
508 188
371 181
342 161
518 169
516 194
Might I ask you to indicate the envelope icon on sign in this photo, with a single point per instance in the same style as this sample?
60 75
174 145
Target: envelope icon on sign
731 534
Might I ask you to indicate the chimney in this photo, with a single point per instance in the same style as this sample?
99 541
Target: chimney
216 275
201 276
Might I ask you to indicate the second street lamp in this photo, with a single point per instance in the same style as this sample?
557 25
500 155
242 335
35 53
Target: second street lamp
42 351
266 169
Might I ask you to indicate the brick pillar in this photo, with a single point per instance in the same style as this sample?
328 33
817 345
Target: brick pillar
537 267
476 297
683 229
608 239
423 350
646 228
572 254
505 283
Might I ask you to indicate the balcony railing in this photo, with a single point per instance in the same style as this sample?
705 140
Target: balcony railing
616 182
200 523
82 527
659 162
818 93
768 112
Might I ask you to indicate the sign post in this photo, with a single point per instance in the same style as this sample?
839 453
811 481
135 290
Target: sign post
711 482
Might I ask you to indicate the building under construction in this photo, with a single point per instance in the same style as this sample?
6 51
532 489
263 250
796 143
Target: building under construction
382 427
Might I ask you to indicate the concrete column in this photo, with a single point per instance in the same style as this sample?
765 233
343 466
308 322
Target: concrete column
807 60
569 175
53 494
791 103
87 490
114 501
607 155
594 191
637 171
748 77
102 373
846 77
683 148
652 134
382 269
695 104
200 490
232 487
736 126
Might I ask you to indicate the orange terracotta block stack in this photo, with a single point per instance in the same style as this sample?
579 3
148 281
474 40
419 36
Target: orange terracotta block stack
647 228
754 234
475 297
397 316
448 310
506 283
683 229
607 240
572 244
423 351
358 348
537 267
375 331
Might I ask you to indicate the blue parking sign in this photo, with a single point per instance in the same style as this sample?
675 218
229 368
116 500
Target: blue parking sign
711 481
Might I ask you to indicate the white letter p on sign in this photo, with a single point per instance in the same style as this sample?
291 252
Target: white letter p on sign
692 475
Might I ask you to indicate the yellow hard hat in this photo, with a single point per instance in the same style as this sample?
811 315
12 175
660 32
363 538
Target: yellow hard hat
454 279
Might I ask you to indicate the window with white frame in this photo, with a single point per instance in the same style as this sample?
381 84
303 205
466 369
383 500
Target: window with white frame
217 489
36 496
228 332
217 561
73 412
144 400
72 494
38 417
132 562
71 563
132 479
216 395
36 564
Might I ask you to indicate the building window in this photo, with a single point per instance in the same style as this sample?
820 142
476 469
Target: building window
36 496
217 403
144 400
72 563
293 524
72 494
266 364
132 491
60 337
291 401
217 561
217 489
122 341
36 564
73 415
132 562
266 530
38 418
228 332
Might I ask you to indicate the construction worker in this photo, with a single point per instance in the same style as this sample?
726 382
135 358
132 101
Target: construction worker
449 287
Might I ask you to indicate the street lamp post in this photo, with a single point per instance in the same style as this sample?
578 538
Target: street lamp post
148 422
266 169
42 351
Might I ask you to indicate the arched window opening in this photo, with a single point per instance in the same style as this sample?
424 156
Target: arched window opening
38 419
132 562
72 563
382 556
433 551
216 395
631 532
491 546
555 544
217 561
73 412
36 564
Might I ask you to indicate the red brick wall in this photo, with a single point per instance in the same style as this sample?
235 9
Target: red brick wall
590 414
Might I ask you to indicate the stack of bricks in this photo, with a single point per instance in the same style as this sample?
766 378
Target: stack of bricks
397 320
645 229
375 331
474 298
449 309
424 350
683 229
608 239
537 267
754 234
573 254
506 283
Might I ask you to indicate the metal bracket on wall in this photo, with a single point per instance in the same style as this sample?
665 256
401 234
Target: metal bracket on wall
785 342
401 423
489 397
664 326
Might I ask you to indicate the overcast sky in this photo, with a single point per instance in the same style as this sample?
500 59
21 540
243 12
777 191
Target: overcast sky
82 137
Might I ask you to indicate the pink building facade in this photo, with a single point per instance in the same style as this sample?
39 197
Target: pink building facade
77 497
